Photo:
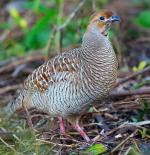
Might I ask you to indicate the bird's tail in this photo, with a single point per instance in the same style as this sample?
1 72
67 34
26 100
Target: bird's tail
15 105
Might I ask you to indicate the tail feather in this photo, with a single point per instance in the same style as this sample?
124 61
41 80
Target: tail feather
15 105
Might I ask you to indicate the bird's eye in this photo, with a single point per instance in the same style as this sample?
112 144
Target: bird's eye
102 18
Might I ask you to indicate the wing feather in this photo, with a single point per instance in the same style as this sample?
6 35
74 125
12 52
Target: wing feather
53 71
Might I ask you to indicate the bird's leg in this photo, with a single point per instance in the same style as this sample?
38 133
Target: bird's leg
82 133
29 121
74 120
61 125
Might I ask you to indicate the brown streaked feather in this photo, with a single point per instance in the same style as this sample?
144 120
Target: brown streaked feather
44 76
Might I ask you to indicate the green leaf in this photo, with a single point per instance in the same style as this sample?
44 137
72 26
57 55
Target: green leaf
138 85
36 6
143 19
18 18
91 109
134 119
142 65
143 132
111 34
135 69
104 2
95 149
16 49
144 111
34 38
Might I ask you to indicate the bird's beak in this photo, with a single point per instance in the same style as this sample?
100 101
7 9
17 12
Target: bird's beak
115 18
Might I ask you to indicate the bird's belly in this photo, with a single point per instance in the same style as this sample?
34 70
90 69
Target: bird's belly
61 100
65 98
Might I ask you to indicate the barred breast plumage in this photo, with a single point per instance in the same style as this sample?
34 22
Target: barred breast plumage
66 84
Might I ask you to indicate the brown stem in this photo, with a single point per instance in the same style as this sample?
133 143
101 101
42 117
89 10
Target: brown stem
94 5
133 75
63 26
9 88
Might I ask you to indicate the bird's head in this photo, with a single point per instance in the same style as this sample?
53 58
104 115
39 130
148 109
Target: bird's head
101 22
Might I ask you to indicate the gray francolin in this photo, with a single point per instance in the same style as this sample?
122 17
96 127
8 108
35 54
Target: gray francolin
67 84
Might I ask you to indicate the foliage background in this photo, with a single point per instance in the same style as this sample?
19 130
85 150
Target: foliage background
27 27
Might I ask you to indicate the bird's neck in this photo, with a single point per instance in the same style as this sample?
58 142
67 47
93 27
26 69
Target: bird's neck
99 62
95 44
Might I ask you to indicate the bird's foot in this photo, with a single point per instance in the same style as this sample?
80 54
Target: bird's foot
82 133
62 127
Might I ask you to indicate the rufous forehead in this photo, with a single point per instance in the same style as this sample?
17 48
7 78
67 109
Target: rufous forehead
106 14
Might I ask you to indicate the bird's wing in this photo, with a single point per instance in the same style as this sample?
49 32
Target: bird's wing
61 68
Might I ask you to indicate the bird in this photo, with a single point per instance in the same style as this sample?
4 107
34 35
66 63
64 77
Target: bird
68 84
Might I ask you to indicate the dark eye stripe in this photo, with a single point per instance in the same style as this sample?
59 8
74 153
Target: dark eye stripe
102 18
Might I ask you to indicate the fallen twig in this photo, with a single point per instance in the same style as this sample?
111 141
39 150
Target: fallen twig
133 75
120 144
58 144
141 123
10 88
141 91
7 145
22 60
